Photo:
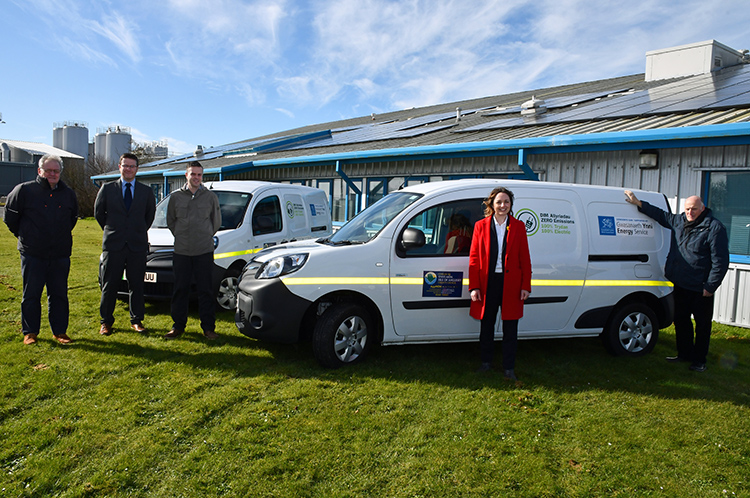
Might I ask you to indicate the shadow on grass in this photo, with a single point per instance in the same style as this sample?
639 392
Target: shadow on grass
562 365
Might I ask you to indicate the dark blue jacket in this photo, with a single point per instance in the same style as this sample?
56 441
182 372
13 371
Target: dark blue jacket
42 218
699 258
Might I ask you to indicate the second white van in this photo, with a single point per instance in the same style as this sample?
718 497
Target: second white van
254 215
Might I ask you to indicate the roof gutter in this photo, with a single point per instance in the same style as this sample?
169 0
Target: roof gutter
698 136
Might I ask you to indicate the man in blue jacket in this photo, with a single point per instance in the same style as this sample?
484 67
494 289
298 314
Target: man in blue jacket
696 264
42 214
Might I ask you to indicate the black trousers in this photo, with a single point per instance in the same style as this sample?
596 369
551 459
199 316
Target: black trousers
133 263
493 299
38 273
687 303
187 268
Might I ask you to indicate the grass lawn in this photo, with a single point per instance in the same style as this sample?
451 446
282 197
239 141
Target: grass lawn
133 415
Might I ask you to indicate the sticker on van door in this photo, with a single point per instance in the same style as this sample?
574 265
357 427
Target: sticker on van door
442 283
625 227
548 222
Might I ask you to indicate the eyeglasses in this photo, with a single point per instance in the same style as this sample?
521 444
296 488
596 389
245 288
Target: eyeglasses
51 171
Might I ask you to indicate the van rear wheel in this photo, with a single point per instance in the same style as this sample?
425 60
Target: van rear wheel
632 331
342 335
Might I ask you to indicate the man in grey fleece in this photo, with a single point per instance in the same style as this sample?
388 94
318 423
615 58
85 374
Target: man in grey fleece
696 264
193 217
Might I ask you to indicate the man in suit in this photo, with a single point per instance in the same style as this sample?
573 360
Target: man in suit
125 209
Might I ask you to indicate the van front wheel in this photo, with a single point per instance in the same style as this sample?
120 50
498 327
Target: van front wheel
632 331
226 296
342 335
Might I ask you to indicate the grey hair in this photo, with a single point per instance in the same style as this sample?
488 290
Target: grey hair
51 157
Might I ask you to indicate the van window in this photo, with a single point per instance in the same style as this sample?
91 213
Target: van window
232 206
267 216
447 228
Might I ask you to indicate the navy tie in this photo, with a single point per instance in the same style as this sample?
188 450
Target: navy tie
128 196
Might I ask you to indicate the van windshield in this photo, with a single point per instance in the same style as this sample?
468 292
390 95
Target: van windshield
367 224
232 204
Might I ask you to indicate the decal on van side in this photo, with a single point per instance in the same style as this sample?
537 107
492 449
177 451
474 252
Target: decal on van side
293 209
546 223
442 283
625 227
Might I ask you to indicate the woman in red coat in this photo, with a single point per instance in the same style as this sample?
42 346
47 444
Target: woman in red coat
499 277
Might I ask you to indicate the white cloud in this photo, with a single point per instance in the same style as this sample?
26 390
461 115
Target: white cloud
285 112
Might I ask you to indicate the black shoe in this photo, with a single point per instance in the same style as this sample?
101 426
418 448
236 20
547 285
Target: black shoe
698 367
510 375
676 359
485 367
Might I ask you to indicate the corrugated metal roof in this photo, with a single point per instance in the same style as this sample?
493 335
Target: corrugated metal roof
36 148
627 103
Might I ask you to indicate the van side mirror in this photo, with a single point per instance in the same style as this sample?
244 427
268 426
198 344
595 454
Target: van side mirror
412 238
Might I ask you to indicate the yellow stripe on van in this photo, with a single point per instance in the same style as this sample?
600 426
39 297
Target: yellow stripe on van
222 255
465 282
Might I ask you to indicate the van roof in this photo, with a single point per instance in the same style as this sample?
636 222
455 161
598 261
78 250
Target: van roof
250 186
490 183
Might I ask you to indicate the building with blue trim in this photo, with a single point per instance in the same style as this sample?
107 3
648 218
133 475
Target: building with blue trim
682 128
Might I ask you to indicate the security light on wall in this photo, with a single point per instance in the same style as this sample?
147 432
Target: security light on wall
649 159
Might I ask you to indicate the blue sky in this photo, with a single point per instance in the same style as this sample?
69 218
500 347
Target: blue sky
212 72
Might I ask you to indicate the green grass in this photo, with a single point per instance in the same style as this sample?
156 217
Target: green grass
128 415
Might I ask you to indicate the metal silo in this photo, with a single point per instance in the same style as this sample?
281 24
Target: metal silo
57 135
75 137
118 142
100 143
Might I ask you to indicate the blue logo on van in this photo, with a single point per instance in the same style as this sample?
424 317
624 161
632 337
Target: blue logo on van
607 225
312 210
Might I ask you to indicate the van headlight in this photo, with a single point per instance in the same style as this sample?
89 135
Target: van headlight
282 265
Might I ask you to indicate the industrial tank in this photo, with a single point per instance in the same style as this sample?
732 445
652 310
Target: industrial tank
118 142
76 139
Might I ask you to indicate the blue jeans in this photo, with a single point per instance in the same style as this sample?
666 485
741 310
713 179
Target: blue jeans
38 273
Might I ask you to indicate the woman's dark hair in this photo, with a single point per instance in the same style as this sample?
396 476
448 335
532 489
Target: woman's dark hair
488 209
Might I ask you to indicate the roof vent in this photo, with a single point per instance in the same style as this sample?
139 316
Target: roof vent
688 60
458 114
533 107
199 150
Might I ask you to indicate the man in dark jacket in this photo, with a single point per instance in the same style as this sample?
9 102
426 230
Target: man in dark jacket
41 214
124 209
696 264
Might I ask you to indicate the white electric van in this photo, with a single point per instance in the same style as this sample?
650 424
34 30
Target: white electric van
254 215
392 275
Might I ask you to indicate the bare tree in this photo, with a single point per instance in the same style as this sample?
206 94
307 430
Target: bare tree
77 175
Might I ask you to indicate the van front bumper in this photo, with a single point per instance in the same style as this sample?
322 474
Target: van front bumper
268 311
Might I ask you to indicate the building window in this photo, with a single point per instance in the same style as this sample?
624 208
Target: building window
377 188
727 198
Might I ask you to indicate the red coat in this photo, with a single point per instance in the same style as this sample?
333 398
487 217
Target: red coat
517 267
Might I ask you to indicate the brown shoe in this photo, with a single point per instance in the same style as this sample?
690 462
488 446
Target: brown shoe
138 327
106 329
173 334
210 335
29 338
63 339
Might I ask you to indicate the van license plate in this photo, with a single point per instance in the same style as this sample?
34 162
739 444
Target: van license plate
150 277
